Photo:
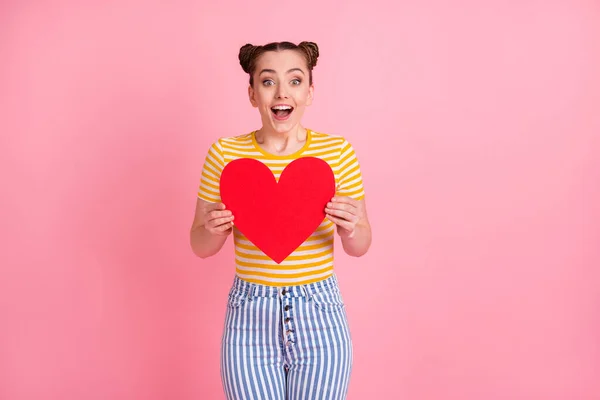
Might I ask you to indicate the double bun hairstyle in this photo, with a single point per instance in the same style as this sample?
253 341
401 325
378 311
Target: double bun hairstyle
249 54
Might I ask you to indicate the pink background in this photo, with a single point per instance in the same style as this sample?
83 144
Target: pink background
477 125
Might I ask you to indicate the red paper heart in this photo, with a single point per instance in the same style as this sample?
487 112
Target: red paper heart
277 217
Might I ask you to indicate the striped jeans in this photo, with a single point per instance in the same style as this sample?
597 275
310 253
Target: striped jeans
286 343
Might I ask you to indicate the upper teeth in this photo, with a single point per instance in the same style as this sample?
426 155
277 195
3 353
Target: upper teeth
282 108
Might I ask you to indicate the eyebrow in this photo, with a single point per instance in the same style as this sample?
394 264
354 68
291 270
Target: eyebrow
289 71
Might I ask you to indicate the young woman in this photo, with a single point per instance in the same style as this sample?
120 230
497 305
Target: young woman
286 334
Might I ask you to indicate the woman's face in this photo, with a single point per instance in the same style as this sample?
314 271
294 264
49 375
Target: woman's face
281 89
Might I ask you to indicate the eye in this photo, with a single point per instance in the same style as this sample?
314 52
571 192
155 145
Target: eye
268 82
296 81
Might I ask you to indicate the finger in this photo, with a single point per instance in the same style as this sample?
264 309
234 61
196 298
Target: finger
219 232
342 206
356 211
218 214
213 223
341 223
222 229
345 215
225 227
345 200
215 206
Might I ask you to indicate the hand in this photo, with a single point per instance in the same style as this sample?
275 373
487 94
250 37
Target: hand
345 212
217 220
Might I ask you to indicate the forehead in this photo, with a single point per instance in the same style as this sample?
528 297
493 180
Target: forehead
281 61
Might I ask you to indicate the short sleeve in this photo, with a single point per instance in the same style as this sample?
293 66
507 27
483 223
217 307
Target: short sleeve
350 181
211 174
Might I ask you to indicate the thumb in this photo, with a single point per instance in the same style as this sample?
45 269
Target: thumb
213 206
217 206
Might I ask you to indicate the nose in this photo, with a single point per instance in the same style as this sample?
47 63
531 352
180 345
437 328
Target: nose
281 92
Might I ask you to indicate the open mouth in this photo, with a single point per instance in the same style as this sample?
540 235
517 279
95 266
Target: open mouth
282 112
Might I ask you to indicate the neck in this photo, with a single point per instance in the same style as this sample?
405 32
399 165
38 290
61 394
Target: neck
281 142
278 139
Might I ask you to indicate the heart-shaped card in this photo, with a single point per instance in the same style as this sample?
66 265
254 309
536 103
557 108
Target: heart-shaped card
277 217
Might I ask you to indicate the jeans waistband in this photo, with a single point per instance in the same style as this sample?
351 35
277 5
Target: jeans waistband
258 290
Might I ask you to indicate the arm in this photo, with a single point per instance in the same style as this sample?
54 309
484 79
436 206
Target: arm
211 226
212 223
348 209
352 222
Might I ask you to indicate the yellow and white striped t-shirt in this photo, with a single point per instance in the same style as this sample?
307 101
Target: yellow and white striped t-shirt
313 260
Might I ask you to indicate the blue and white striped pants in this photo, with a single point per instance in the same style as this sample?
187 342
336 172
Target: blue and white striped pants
286 343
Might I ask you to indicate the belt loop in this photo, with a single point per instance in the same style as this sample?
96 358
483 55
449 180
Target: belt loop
304 290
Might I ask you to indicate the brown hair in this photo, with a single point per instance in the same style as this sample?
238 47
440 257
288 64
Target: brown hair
249 54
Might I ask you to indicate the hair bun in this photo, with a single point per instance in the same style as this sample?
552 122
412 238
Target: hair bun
312 52
246 55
